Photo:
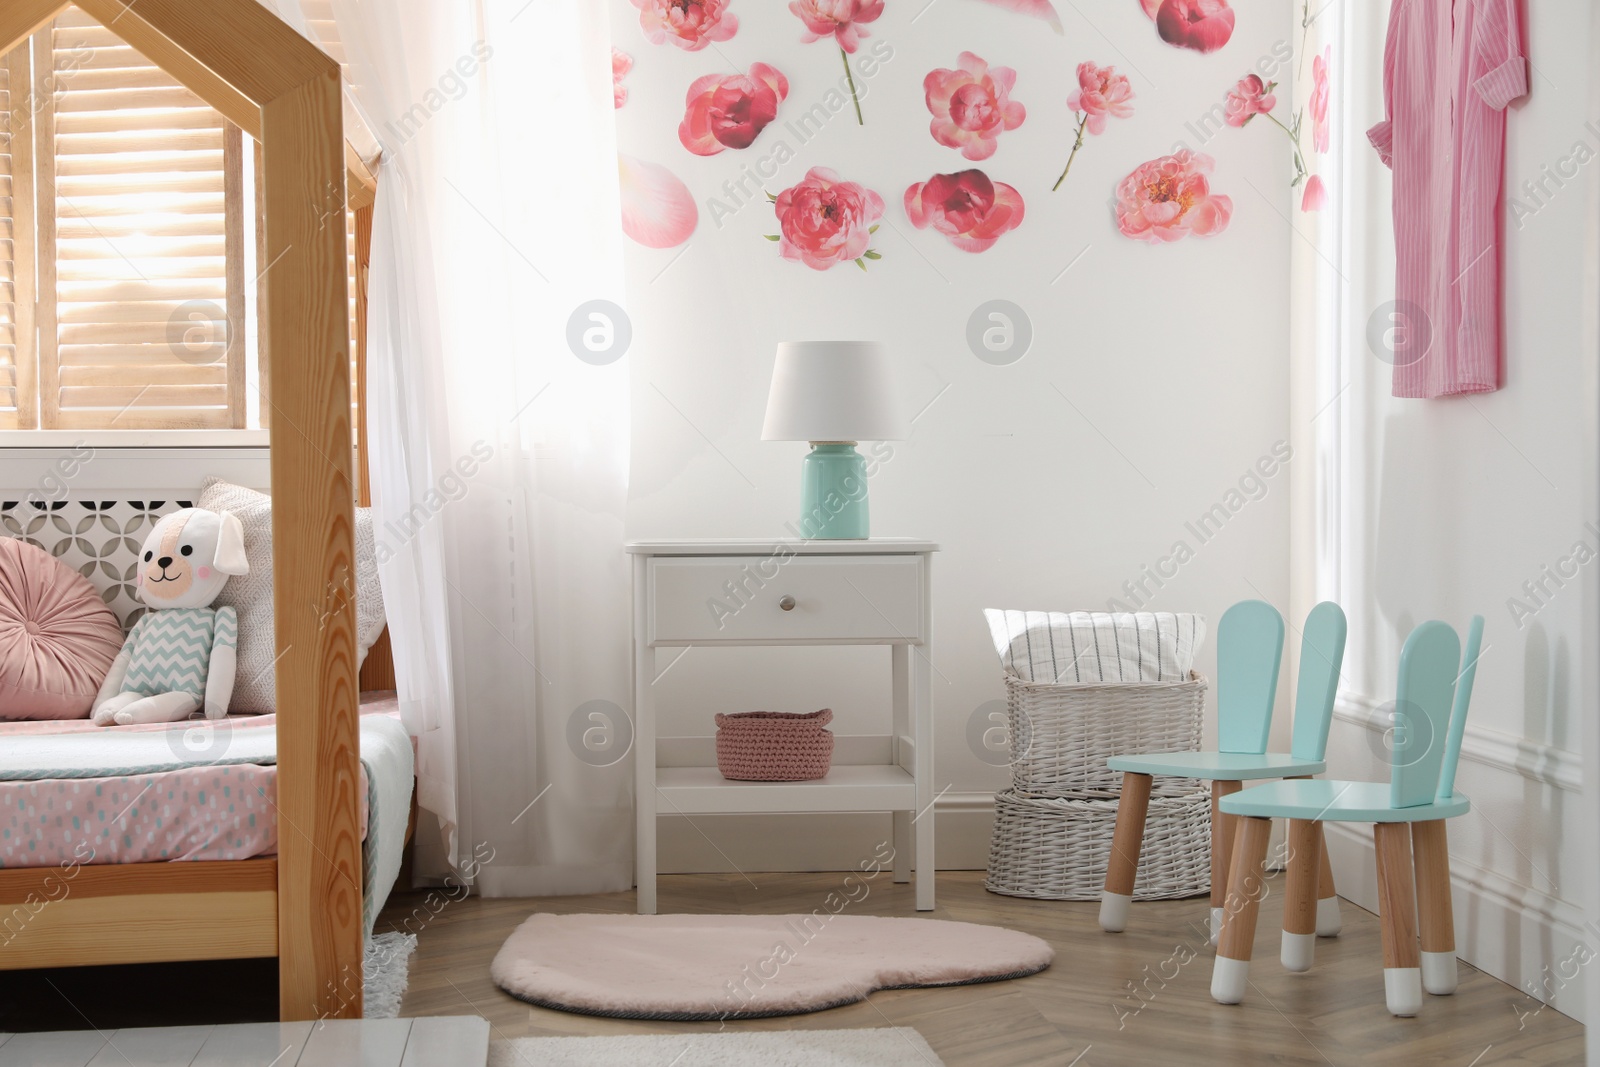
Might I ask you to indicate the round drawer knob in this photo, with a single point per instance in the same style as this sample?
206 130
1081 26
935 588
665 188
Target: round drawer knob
787 603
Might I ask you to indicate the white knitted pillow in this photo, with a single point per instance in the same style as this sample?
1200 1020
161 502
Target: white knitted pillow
255 689
1086 647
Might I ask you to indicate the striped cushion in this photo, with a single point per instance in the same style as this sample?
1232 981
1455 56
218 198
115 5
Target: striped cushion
1070 647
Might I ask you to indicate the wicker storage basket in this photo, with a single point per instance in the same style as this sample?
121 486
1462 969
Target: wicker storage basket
1062 735
774 746
1056 848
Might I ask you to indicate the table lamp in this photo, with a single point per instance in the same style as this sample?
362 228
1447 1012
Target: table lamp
833 394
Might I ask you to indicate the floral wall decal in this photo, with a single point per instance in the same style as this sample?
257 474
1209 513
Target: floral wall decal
824 220
1319 99
843 21
1101 93
1039 9
968 208
731 110
1252 97
1203 25
621 63
972 105
689 24
1169 198
1316 195
657 210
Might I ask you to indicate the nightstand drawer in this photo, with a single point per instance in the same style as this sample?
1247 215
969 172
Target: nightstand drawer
829 600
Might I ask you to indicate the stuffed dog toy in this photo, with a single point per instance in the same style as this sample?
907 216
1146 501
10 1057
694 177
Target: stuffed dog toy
181 655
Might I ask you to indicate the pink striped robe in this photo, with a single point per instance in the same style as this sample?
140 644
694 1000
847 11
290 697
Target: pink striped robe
1450 68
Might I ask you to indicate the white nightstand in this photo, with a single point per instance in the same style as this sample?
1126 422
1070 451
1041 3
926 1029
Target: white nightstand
872 592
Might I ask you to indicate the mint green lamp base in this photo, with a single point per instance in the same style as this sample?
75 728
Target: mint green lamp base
833 492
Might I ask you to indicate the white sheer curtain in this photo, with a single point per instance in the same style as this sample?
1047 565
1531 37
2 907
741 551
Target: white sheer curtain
499 457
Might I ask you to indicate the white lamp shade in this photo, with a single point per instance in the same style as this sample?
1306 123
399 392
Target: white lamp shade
833 391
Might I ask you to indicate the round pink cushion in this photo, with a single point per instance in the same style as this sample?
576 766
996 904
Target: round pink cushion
57 637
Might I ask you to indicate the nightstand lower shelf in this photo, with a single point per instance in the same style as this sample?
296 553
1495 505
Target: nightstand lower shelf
703 791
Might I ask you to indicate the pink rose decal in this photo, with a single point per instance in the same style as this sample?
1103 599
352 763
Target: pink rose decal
824 221
1039 9
731 110
621 63
972 105
1101 93
968 208
1169 198
1251 97
689 24
1316 195
1319 98
841 20
657 210
1203 25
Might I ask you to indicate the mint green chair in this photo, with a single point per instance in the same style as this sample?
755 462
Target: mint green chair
1430 718
1249 652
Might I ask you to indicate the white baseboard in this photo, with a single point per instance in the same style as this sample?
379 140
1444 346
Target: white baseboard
756 843
1526 938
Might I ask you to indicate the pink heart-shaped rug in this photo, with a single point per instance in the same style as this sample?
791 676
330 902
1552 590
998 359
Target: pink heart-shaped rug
682 967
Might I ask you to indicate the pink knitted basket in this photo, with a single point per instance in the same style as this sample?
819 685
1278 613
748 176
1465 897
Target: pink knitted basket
774 746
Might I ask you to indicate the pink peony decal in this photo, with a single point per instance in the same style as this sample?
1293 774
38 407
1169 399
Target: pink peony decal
689 24
842 20
1203 25
824 221
1319 99
731 110
1101 92
657 210
968 208
1316 194
972 105
1251 97
1169 198
1039 9
621 63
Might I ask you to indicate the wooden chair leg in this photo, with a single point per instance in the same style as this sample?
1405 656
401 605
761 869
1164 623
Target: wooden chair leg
1230 971
1435 916
1122 868
1328 921
1222 830
1397 915
1300 895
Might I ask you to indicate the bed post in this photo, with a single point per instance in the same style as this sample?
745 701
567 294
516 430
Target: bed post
313 490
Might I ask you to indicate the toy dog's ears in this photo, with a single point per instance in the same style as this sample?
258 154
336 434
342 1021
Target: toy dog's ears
230 546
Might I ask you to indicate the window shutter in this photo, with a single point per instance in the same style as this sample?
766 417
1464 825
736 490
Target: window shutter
141 302
17 407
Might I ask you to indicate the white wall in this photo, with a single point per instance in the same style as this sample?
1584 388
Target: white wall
1172 356
1451 506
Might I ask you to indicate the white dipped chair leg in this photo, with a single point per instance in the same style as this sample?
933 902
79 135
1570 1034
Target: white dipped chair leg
1397 914
1300 895
1230 971
1435 916
1402 990
1114 911
1122 867
1328 921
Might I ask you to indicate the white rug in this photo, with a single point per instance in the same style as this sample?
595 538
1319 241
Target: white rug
715 967
789 1048
386 971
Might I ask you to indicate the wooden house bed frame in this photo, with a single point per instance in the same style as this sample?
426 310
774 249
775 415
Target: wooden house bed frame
305 906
